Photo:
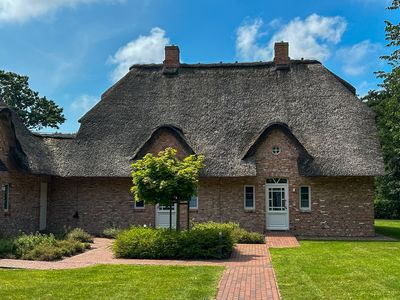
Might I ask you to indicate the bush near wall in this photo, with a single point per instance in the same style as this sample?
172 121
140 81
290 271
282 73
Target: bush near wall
45 247
204 241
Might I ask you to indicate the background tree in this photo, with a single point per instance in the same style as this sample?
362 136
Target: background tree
165 180
386 104
36 112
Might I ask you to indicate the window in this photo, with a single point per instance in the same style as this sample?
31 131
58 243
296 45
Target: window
6 197
139 204
276 150
193 203
305 198
249 197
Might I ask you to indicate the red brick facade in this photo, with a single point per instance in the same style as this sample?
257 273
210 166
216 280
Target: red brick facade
340 206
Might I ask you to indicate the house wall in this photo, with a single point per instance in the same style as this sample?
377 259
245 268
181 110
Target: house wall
341 206
24 203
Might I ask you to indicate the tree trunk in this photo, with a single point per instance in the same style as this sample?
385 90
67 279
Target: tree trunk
187 216
178 219
170 216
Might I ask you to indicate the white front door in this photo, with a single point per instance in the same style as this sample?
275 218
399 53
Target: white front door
162 216
277 198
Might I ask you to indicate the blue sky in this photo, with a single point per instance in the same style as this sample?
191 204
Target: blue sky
73 50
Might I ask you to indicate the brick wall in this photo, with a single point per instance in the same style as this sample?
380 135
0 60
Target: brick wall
24 203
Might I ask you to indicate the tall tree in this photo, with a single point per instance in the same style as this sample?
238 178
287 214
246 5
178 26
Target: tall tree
386 104
36 112
165 179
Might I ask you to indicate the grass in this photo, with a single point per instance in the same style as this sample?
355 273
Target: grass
388 227
112 282
341 269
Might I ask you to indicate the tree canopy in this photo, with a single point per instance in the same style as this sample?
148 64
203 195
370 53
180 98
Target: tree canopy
386 104
165 179
35 111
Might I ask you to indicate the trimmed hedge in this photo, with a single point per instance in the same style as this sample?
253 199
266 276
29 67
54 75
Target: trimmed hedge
204 241
201 243
240 235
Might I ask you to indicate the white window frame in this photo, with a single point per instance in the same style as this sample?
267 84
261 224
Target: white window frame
139 207
6 193
309 198
197 203
254 198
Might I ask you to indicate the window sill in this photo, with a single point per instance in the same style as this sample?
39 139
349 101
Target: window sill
249 210
139 209
305 210
193 210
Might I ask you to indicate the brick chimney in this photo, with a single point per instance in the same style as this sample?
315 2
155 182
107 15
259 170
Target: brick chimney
282 59
171 62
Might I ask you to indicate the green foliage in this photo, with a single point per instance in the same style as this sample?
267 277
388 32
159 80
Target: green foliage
111 232
386 104
162 178
39 246
35 111
27 242
200 243
165 179
239 235
6 248
80 235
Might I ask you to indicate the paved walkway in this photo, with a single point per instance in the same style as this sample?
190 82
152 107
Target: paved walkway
281 239
248 273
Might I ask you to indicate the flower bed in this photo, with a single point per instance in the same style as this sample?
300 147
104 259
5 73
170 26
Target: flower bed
45 247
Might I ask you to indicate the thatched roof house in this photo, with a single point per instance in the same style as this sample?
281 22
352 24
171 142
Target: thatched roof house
225 111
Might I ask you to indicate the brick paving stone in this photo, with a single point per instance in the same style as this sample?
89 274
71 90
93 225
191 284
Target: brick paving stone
281 239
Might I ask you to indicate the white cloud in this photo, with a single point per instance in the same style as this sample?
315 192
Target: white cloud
144 49
23 10
84 103
359 58
312 37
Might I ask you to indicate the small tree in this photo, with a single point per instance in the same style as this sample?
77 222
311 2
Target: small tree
165 179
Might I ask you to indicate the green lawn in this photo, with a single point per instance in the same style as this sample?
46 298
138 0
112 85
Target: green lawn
112 282
388 227
341 269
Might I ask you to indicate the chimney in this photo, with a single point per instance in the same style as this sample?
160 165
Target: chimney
282 59
171 62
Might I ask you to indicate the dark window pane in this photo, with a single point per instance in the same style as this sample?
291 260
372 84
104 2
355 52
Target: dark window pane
304 197
139 204
249 197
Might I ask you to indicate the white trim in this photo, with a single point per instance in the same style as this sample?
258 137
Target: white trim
270 213
254 198
135 207
309 198
197 204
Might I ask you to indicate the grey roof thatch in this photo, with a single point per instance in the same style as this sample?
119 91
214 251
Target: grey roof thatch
220 110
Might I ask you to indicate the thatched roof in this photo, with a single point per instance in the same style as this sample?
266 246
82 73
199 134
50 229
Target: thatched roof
221 111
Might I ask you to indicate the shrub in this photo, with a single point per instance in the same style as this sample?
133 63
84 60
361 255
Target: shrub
240 235
386 209
25 243
6 248
44 252
140 242
111 232
80 235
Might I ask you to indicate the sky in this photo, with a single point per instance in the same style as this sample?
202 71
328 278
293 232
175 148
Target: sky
74 50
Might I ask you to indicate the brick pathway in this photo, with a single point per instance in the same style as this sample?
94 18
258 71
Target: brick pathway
248 273
280 239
